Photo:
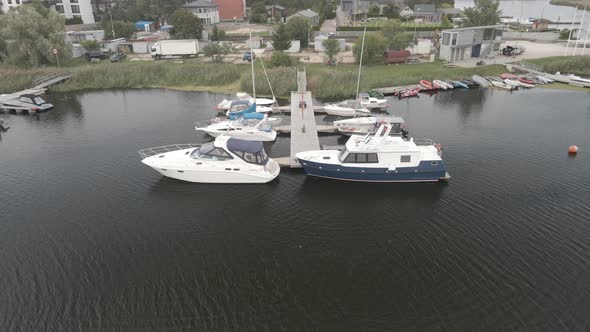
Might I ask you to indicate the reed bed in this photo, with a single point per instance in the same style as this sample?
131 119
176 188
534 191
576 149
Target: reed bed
579 65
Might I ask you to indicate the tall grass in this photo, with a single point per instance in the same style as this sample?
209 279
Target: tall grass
282 79
124 75
579 65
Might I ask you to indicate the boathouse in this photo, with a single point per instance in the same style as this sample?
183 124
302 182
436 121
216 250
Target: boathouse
473 42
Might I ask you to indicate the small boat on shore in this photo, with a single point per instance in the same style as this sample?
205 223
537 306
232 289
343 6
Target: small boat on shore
509 76
526 81
427 85
369 125
460 84
438 84
378 158
544 80
413 92
498 84
513 83
226 160
578 79
481 81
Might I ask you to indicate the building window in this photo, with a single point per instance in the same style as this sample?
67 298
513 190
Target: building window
73 1
10 2
18 2
406 158
59 9
488 34
446 39
454 39
76 9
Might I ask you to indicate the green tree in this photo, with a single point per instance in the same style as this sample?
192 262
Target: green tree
390 29
401 41
374 9
281 40
122 29
217 35
258 12
281 59
215 51
90 45
298 29
29 33
375 45
332 47
123 11
391 11
185 25
486 12
154 9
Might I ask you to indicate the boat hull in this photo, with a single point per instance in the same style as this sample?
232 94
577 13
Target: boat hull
215 176
424 172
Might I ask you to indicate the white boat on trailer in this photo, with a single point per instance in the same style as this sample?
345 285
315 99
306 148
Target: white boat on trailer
245 129
378 158
369 125
226 160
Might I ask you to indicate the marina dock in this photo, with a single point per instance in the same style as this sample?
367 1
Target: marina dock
303 129
325 129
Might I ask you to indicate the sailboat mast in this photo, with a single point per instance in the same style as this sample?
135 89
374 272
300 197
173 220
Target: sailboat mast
252 59
358 81
580 30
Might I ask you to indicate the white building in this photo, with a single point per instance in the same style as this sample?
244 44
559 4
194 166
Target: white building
69 8
206 10
473 42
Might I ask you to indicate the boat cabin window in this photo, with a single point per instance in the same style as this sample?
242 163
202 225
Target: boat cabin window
406 158
361 158
258 158
210 152
39 100
26 100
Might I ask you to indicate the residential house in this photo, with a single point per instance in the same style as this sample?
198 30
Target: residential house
231 10
426 13
354 9
406 12
205 10
70 9
540 24
312 17
276 11
473 42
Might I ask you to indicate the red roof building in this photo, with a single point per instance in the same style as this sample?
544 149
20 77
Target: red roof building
230 10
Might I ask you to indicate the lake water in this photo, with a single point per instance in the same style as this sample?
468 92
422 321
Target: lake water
91 239
531 9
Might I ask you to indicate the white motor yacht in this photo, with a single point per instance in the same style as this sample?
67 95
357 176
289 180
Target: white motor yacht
370 124
245 129
347 108
369 102
378 158
226 160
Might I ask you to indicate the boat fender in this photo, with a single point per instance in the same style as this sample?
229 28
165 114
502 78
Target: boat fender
438 146
217 119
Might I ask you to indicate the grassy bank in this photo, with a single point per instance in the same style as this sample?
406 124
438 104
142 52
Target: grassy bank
579 65
324 82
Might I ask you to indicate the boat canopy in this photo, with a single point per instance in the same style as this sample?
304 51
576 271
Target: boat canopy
255 115
235 145
235 115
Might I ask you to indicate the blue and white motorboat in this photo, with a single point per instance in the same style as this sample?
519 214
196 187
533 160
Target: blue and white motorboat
378 158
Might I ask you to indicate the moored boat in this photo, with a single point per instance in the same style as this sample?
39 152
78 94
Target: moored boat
526 80
438 84
507 76
498 84
347 108
369 125
413 92
513 83
461 84
226 160
225 104
242 128
544 80
378 158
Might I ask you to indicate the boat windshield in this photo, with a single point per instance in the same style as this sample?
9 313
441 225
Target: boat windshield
39 101
342 155
258 158
210 152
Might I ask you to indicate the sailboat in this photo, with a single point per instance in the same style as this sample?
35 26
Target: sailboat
364 102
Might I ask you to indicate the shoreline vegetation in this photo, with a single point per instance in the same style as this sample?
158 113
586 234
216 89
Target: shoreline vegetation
571 3
323 81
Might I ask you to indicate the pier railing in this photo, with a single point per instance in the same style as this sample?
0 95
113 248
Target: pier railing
166 148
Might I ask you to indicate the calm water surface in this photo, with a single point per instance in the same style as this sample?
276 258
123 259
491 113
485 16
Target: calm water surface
91 239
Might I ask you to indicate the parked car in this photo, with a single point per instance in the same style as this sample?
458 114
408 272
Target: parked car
96 55
249 56
118 57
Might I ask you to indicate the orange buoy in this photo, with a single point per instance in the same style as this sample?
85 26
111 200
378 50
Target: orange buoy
572 149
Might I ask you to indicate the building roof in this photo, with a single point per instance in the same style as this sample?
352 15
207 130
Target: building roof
449 11
279 7
199 4
308 13
424 8
541 21
230 9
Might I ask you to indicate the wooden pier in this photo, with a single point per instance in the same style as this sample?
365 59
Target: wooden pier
325 129
304 134
49 80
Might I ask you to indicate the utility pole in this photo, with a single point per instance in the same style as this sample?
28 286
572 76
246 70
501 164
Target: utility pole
112 25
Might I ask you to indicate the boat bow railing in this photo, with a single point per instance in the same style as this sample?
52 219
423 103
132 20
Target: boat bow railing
423 141
166 148
206 123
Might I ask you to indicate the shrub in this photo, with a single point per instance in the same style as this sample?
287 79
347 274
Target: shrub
280 59
90 45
